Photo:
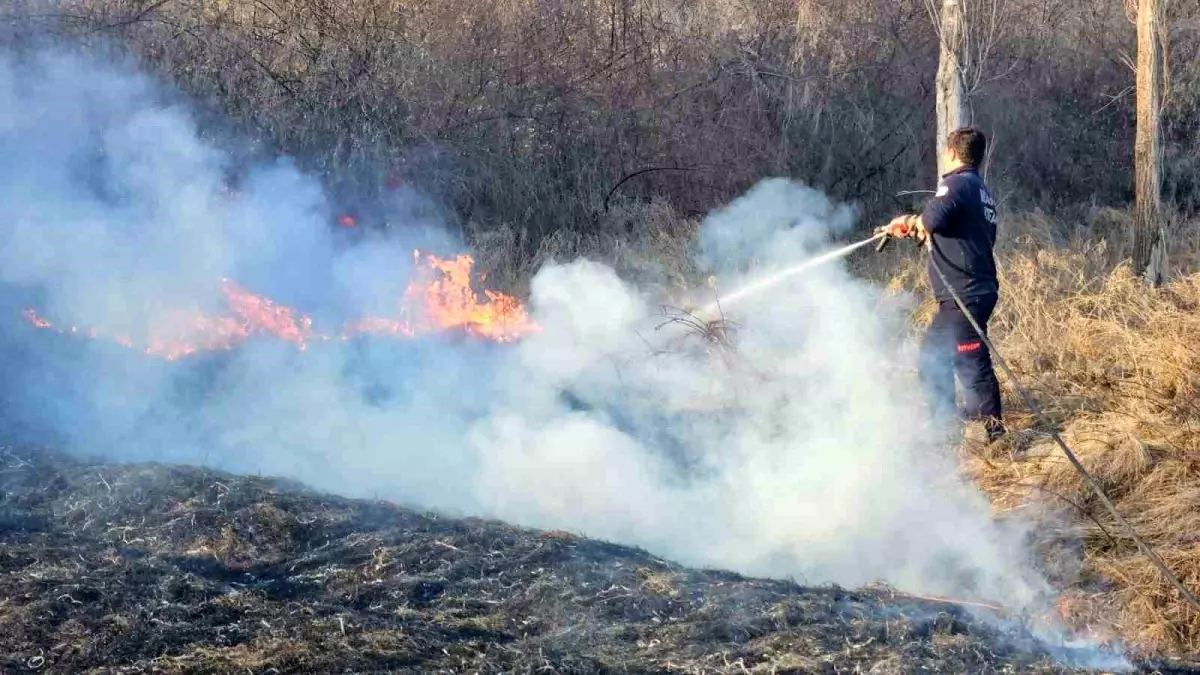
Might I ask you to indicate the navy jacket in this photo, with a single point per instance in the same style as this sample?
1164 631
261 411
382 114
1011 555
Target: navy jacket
961 219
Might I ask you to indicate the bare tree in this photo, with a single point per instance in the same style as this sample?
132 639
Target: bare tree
953 109
968 34
528 114
1149 234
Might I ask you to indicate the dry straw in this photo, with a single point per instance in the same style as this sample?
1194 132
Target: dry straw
1117 367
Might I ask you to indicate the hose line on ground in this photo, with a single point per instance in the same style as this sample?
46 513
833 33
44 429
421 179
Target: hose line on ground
1062 445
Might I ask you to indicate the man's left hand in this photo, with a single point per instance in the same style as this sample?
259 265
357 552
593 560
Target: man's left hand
901 227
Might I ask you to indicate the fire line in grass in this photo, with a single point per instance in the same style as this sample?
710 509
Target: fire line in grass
440 298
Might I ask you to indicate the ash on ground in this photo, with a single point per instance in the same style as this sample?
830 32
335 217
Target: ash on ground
157 568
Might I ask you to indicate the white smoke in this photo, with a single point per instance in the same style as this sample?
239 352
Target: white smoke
802 454
815 461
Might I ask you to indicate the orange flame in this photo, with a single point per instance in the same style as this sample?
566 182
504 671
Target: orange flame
449 302
440 298
32 317
260 314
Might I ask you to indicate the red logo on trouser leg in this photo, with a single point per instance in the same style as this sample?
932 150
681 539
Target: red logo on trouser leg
966 347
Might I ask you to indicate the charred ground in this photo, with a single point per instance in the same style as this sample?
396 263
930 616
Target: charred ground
144 568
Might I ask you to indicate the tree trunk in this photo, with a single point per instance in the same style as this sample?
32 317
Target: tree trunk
1149 237
953 111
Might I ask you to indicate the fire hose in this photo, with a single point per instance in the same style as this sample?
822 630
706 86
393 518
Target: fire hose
1040 416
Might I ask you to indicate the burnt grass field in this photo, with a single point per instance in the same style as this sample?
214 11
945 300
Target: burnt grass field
157 568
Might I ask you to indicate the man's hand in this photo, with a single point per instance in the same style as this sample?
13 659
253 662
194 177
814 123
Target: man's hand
919 232
902 227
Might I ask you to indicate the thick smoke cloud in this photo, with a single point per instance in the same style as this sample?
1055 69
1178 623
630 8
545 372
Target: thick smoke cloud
801 454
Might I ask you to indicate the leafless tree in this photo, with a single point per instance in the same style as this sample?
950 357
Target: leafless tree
969 32
536 116
1149 232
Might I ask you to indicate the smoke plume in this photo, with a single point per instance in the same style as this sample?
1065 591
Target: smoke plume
802 453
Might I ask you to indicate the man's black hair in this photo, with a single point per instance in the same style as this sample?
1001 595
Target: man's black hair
969 144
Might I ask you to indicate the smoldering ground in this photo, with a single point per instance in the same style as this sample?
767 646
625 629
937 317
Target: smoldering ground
802 453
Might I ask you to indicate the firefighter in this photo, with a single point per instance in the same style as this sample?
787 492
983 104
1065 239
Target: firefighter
960 224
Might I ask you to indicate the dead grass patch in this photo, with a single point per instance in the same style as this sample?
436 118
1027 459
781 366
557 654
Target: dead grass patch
1117 367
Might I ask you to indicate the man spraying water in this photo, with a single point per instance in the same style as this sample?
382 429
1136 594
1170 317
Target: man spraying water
959 226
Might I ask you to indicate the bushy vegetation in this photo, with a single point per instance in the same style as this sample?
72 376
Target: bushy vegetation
543 116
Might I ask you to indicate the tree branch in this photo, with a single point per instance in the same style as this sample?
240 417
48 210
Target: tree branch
635 174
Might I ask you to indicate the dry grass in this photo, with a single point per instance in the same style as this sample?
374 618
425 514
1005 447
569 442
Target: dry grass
1117 367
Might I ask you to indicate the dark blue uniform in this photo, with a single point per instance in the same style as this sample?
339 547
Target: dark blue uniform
961 221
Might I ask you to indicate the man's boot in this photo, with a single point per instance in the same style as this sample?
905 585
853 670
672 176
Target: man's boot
994 429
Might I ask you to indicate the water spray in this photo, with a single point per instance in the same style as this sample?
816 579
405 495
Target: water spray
770 281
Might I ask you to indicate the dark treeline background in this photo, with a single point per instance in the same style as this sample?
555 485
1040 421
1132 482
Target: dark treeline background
543 118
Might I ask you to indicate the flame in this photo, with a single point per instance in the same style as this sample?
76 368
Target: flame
440 298
190 333
32 317
262 315
447 301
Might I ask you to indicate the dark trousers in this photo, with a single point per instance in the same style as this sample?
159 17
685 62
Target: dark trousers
952 347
